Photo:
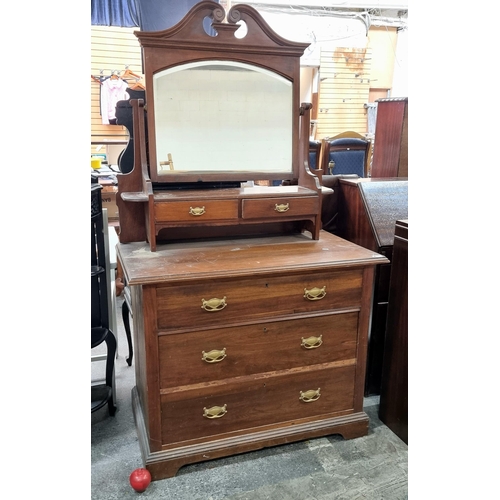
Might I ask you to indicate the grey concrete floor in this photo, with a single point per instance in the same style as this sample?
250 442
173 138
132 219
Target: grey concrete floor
373 467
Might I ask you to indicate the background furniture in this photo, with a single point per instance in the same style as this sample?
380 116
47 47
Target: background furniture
314 154
330 203
393 410
345 153
247 343
368 211
390 148
101 394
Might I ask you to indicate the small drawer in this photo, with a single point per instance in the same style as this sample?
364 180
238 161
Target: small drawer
217 303
259 348
231 406
196 211
279 207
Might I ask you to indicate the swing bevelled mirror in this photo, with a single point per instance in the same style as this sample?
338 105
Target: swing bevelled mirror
221 109
227 117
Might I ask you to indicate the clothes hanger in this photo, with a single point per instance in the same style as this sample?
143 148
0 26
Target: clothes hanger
96 79
137 86
127 73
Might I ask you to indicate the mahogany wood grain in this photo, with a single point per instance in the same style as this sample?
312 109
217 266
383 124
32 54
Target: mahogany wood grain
144 210
368 210
167 462
187 41
262 327
253 348
180 211
271 398
180 306
133 215
212 287
390 152
393 410
243 257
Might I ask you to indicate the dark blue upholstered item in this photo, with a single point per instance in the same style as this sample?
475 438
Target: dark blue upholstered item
349 156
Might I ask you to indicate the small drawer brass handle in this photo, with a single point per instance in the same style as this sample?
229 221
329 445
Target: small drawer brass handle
310 396
213 356
213 305
315 293
312 342
196 211
282 208
215 411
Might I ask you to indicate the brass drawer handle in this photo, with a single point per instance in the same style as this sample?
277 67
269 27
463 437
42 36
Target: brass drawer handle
213 356
215 411
282 208
312 342
196 211
310 396
315 293
213 305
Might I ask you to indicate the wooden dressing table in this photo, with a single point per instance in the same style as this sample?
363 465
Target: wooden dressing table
250 323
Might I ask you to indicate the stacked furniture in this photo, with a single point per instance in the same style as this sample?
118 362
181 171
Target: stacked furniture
250 324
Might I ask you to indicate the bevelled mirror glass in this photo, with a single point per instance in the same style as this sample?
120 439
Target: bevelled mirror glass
223 117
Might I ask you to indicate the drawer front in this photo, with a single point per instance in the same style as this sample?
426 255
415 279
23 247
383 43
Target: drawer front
279 207
231 406
252 349
196 211
221 302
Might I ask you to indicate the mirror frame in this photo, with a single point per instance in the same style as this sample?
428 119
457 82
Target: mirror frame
188 42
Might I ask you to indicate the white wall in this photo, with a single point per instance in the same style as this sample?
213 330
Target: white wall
400 78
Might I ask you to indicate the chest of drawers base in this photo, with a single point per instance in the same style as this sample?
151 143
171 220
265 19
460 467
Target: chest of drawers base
166 463
247 343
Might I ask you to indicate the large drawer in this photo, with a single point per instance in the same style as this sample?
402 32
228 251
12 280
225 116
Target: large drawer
279 207
258 348
234 406
220 302
196 211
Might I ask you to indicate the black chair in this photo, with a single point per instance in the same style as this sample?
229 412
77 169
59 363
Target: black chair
346 153
101 394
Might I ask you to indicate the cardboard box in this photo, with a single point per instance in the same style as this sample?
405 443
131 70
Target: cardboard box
108 196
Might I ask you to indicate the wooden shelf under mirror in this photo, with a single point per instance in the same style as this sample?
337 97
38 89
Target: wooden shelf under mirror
222 109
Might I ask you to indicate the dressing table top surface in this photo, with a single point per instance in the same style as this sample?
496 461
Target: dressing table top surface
240 257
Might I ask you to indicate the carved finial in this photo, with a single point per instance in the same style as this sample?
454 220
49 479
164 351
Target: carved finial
305 106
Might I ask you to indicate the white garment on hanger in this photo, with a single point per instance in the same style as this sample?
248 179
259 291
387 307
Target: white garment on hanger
112 91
